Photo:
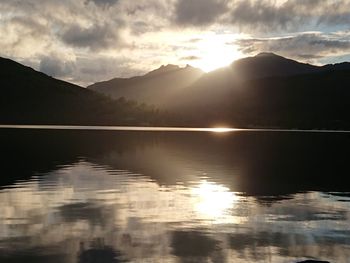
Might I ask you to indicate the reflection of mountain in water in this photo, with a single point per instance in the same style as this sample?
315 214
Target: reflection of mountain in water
118 196
256 163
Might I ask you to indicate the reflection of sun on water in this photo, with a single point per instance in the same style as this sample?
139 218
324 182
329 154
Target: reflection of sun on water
212 200
223 129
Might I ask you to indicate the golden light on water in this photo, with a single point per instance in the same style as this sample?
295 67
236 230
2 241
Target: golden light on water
219 130
212 200
120 128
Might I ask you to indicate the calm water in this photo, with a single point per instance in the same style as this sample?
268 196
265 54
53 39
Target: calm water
118 196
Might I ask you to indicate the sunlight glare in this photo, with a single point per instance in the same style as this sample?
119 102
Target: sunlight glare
213 200
220 130
216 51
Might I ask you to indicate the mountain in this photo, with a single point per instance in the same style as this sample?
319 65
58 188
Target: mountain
336 67
269 94
156 87
31 97
268 65
215 86
266 90
161 86
262 91
302 101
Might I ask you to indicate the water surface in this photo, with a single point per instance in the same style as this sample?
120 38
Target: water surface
119 196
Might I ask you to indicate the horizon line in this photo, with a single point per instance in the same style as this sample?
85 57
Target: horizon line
165 129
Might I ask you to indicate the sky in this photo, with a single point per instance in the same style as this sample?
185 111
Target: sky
85 41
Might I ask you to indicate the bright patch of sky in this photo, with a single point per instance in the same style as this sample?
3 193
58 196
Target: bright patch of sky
85 41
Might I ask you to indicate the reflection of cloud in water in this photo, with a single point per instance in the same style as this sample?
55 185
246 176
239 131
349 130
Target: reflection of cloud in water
192 245
138 219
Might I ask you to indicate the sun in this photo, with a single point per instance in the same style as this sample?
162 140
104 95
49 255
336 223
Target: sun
214 51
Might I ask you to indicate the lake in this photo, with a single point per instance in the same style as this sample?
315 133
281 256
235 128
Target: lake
173 196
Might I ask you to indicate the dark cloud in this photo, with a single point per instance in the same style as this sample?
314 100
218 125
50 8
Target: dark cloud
304 46
263 16
29 23
94 37
199 12
103 3
55 67
267 16
190 58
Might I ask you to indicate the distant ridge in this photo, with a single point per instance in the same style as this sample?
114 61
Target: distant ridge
264 91
164 69
267 64
32 97
156 87
159 86
267 54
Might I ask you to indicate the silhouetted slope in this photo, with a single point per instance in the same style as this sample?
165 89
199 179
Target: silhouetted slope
28 96
267 91
268 65
261 66
157 87
262 91
336 67
303 101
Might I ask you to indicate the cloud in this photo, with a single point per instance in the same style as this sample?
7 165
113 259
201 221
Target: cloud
92 40
94 68
22 36
188 58
104 3
74 22
268 16
30 24
199 12
85 70
306 46
262 15
94 37
55 67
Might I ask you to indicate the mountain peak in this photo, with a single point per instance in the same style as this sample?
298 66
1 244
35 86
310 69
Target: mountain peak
267 64
169 67
163 69
267 54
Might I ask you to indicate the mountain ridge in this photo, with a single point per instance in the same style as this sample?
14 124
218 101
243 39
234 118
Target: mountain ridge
262 65
32 97
155 87
267 64
306 101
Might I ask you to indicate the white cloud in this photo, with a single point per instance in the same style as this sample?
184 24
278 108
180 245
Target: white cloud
92 40
310 46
